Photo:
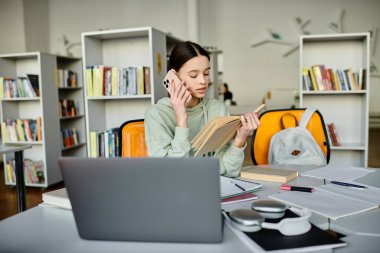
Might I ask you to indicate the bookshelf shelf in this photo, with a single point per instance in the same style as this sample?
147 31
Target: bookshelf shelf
347 109
24 142
70 88
72 117
359 92
121 97
348 147
74 147
21 99
120 49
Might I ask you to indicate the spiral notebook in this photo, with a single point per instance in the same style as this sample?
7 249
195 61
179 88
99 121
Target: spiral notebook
235 186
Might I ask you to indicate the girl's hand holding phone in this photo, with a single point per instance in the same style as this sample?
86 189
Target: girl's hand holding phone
179 97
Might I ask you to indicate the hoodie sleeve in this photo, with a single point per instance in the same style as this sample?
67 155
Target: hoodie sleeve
231 157
164 140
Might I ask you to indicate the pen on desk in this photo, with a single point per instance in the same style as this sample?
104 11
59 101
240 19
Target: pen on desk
349 184
287 187
238 186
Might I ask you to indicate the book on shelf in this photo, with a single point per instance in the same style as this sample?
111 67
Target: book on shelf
56 198
69 137
33 171
342 201
105 143
268 174
66 78
114 81
334 137
147 88
324 79
14 130
216 133
33 79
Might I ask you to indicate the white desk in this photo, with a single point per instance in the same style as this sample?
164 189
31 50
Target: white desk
362 244
44 229
368 223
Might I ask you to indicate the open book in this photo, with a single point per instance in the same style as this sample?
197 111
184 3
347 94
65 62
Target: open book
333 201
216 133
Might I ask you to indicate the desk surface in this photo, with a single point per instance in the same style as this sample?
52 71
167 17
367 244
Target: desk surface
44 229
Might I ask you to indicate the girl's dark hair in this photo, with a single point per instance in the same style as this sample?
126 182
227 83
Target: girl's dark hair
183 52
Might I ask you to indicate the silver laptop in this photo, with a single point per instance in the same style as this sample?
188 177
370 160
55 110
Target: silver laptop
145 199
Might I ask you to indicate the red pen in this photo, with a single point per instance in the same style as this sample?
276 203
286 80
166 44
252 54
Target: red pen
287 187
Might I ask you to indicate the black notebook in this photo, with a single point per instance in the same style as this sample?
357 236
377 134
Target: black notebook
273 241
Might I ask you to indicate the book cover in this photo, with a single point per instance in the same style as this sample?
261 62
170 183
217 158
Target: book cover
318 77
33 79
216 133
313 81
268 174
240 198
115 81
147 88
89 82
140 80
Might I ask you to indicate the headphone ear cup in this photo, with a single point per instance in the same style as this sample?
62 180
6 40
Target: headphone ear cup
269 208
246 220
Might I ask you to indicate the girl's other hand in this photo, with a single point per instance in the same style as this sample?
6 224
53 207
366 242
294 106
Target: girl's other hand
250 122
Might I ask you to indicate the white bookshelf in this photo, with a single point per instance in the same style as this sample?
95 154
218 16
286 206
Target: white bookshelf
123 48
76 94
348 110
45 106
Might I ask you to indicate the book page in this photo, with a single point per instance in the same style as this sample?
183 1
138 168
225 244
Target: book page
325 203
210 127
218 138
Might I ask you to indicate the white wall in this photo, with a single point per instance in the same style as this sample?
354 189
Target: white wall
36 16
72 17
232 26
12 38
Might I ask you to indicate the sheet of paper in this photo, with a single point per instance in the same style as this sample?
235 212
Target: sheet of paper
371 194
325 203
338 173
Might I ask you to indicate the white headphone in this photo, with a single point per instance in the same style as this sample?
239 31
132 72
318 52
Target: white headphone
248 220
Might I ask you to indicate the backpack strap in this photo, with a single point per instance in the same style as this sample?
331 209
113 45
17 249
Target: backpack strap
306 117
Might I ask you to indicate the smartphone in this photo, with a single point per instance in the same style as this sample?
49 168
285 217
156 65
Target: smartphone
171 75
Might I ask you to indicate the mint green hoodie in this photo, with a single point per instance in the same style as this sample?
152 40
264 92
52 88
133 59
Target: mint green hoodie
165 139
